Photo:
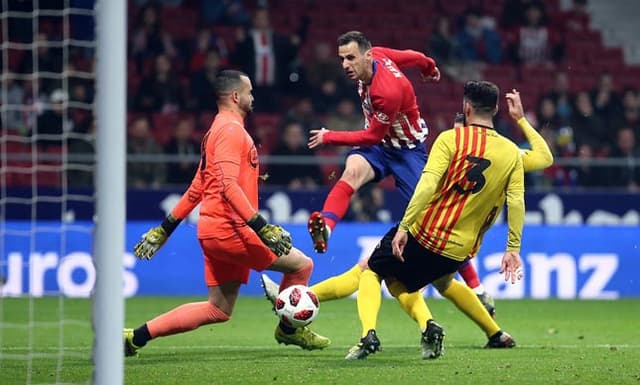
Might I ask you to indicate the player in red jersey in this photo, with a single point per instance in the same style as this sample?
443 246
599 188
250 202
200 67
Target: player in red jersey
391 143
393 134
233 236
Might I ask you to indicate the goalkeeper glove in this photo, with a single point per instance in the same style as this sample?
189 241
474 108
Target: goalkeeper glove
273 236
153 239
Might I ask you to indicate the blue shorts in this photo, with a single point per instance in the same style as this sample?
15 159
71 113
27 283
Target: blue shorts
404 164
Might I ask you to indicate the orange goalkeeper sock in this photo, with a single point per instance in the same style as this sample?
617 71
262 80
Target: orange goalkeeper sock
184 318
339 286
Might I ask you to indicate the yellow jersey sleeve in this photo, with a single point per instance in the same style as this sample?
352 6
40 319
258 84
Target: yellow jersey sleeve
515 206
539 157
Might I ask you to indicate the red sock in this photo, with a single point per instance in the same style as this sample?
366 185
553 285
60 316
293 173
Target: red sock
298 277
337 203
470 275
185 318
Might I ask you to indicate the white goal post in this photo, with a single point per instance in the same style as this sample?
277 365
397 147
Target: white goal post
111 99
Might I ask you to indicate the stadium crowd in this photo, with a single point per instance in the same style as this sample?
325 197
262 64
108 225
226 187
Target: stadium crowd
176 47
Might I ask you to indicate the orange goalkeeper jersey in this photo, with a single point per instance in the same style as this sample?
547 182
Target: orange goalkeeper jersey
226 181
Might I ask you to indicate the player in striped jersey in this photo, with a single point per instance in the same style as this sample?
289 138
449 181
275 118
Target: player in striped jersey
537 158
472 170
392 139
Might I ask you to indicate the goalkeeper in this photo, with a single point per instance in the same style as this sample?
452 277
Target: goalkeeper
233 236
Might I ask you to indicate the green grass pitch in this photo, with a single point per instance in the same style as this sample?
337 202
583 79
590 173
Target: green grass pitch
559 342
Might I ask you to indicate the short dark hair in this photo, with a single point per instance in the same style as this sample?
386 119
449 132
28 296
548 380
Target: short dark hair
227 81
482 95
363 43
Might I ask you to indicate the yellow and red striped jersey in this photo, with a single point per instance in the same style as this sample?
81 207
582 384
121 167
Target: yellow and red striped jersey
469 173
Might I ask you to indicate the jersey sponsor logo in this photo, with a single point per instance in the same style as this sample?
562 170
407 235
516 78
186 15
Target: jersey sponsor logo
381 117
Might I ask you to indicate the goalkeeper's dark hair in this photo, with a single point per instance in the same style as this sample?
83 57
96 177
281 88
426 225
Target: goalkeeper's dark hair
228 81
482 95
363 43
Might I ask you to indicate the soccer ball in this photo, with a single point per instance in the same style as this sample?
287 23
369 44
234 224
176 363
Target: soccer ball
297 306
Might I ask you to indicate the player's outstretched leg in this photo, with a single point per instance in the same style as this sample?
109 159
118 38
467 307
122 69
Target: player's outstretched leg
319 232
130 349
432 340
500 340
368 344
303 337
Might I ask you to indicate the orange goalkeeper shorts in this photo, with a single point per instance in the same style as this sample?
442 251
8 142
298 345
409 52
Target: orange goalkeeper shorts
231 259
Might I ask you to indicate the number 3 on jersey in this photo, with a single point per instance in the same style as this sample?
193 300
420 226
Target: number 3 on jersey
474 179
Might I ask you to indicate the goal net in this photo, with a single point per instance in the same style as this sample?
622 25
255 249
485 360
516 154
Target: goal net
47 199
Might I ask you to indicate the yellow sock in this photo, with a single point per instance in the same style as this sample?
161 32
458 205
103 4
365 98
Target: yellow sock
338 286
412 303
467 301
369 300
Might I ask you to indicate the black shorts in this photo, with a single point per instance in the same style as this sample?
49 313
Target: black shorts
420 266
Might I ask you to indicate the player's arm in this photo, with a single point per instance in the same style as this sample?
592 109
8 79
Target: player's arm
539 157
511 262
225 164
515 206
154 238
409 58
385 109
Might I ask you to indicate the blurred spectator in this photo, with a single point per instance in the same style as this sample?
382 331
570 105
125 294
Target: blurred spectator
202 93
182 145
346 117
626 149
585 174
226 12
15 99
477 40
268 58
588 127
513 12
326 79
325 67
553 175
536 43
20 28
562 97
294 175
49 59
631 107
160 91
82 158
326 97
205 42
442 44
368 205
577 17
53 122
606 101
546 114
302 112
149 39
142 174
